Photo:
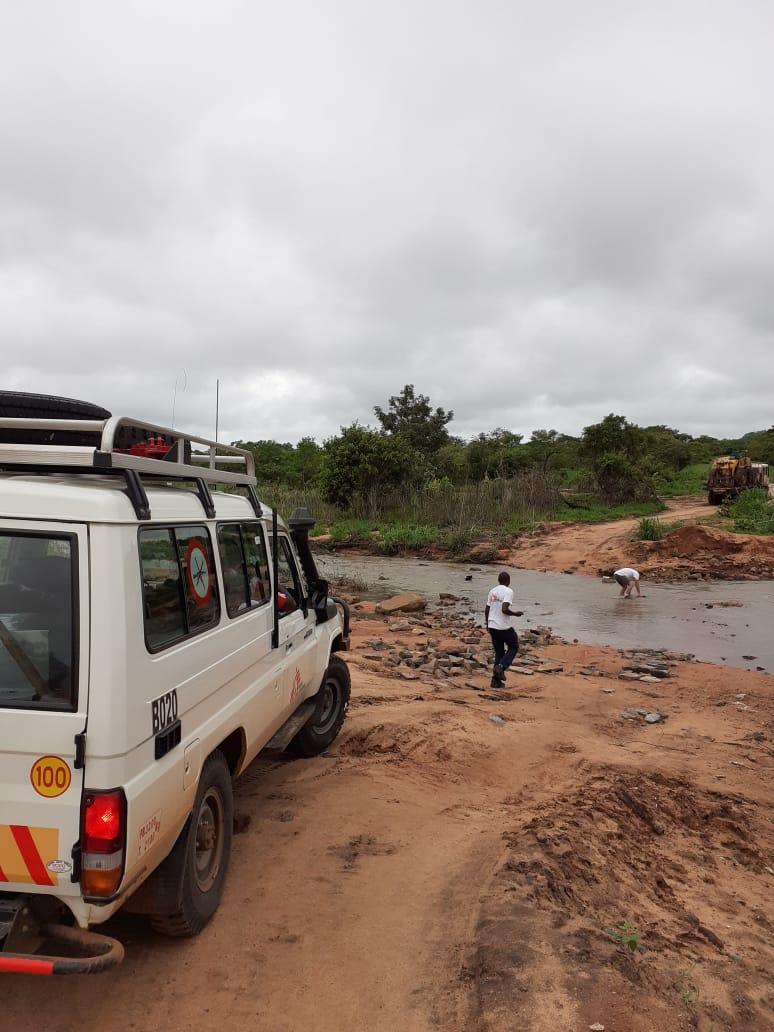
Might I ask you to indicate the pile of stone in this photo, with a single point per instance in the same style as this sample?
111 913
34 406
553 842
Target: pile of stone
647 665
418 653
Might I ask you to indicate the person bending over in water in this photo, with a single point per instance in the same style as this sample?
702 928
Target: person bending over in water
628 579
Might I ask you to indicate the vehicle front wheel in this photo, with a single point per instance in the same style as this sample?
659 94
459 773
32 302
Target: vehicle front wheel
205 845
332 703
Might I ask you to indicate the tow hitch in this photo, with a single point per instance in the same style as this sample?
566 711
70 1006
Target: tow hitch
21 937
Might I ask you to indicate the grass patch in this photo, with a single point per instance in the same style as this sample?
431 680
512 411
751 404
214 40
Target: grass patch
351 532
651 528
457 541
406 537
752 512
692 480
597 512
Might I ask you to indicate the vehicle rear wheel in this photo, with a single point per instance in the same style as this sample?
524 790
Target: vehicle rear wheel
332 704
206 845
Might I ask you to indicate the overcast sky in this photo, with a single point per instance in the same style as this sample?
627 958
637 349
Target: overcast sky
536 212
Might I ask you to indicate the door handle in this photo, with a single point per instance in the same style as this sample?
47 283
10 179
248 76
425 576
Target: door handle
289 646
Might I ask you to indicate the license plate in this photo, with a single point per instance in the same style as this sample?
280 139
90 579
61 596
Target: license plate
164 711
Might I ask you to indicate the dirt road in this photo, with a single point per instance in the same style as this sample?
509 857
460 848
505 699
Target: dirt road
688 553
441 870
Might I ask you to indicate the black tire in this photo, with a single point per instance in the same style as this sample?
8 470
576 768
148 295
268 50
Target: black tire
203 868
19 405
332 704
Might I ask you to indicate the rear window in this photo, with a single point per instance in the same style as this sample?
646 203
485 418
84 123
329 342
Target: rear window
180 594
38 580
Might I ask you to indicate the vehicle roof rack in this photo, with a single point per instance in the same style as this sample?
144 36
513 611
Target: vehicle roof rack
130 448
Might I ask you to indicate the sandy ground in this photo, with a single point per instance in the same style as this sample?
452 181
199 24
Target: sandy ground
437 869
688 553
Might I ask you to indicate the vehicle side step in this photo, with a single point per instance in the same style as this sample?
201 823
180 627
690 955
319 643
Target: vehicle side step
285 735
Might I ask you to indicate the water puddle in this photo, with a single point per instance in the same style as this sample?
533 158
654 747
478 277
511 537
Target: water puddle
671 616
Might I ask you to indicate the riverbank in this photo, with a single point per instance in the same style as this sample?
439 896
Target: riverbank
468 860
691 551
719 622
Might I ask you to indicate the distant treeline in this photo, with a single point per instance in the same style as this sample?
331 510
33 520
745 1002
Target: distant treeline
412 447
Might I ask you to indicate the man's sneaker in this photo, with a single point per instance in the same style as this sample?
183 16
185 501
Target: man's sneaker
496 682
498 672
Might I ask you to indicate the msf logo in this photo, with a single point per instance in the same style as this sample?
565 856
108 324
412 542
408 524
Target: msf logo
298 684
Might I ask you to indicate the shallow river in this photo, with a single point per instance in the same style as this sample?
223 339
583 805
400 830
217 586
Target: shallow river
671 616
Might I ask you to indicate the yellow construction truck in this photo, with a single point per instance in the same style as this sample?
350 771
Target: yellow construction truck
729 475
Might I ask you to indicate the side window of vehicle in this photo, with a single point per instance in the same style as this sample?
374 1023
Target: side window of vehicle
289 586
232 562
201 592
245 565
162 597
180 595
257 562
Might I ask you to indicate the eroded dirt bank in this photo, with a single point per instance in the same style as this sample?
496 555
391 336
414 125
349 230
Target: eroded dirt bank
439 869
689 553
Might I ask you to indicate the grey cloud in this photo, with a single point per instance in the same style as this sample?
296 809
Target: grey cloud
536 214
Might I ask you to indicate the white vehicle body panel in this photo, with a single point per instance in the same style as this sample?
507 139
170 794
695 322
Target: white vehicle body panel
228 679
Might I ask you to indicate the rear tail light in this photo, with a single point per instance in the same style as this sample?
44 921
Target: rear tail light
103 842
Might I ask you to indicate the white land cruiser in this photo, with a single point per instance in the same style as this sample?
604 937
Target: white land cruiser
155 635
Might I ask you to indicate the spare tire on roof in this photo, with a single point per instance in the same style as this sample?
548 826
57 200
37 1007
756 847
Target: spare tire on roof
21 405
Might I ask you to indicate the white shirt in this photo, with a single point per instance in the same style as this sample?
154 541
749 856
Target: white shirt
627 572
498 621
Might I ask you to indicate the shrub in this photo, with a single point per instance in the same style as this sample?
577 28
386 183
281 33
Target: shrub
406 537
457 541
650 529
752 512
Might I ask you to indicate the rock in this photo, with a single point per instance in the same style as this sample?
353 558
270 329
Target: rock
400 625
469 576
653 718
596 1027
608 691
650 679
654 669
497 720
632 713
550 668
522 670
410 602
408 675
628 675
446 596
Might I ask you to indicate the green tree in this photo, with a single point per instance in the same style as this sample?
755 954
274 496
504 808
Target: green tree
361 464
412 416
615 450
543 446
498 453
273 461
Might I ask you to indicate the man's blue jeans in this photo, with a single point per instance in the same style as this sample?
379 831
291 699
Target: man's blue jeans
506 645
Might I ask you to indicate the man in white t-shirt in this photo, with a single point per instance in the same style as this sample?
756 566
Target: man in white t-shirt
628 579
498 615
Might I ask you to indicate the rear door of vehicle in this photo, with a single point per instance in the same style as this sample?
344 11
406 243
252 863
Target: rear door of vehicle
44 668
